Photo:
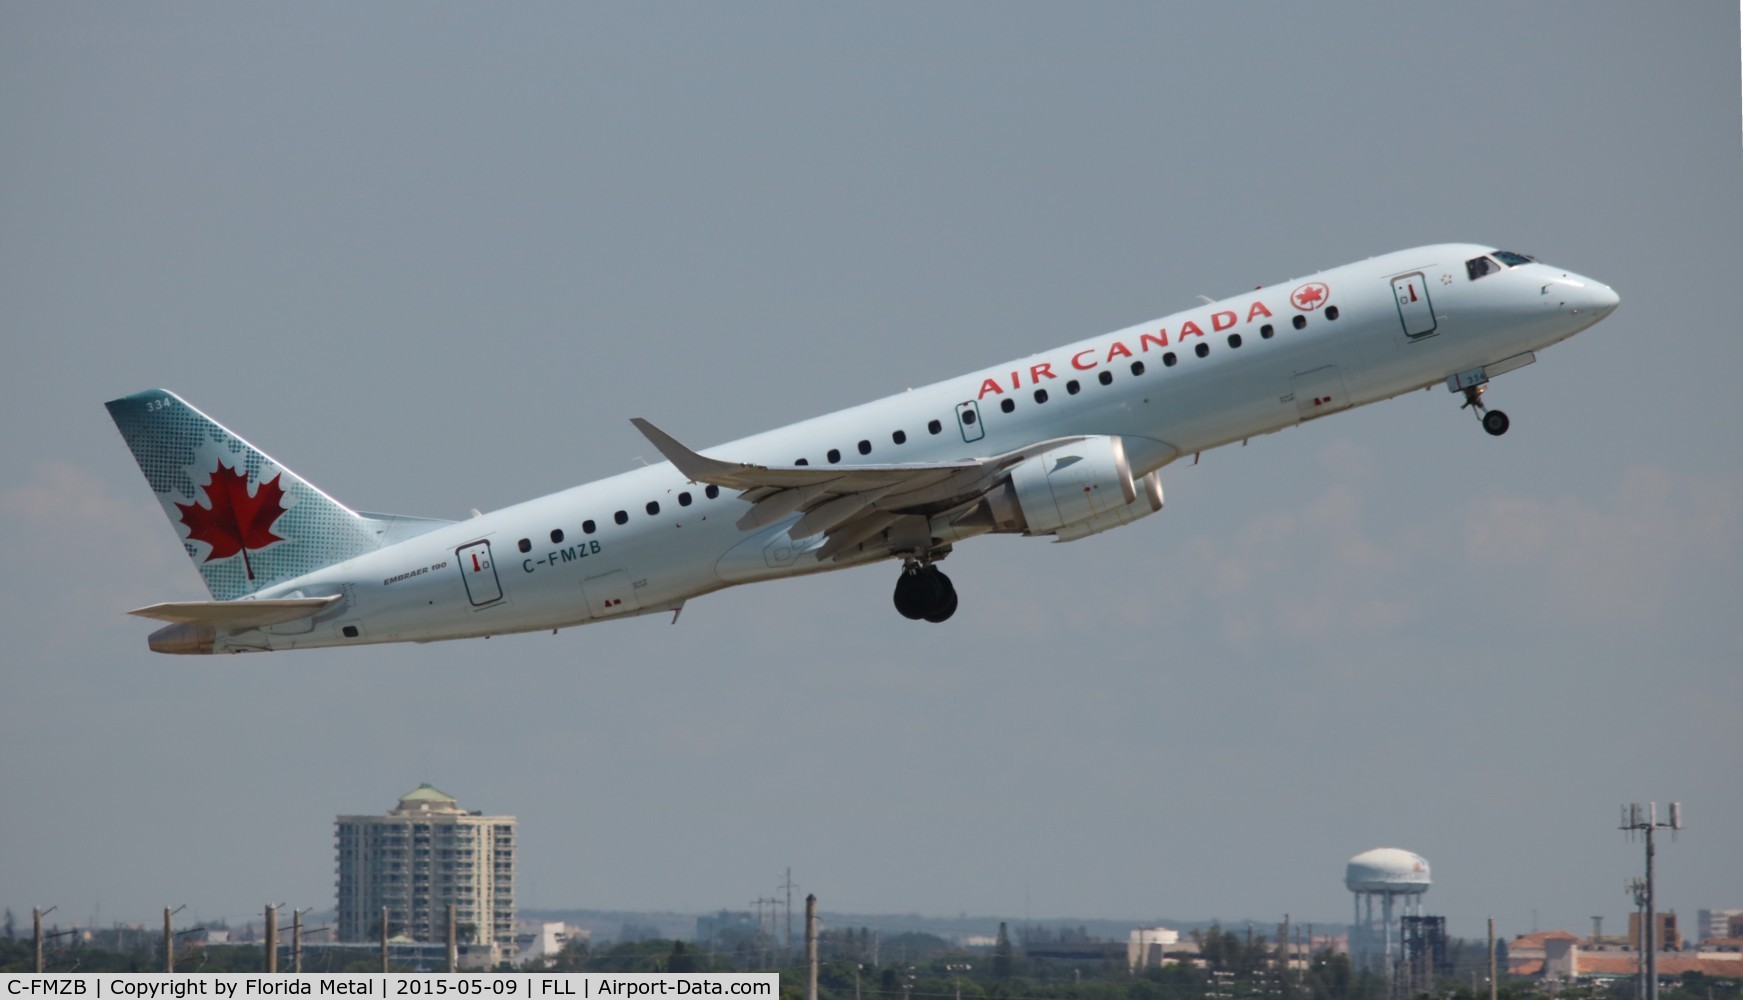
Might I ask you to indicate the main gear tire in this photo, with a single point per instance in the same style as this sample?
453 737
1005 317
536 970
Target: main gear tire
946 603
916 593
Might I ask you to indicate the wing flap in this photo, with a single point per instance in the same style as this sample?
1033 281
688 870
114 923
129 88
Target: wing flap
827 517
776 504
850 534
235 615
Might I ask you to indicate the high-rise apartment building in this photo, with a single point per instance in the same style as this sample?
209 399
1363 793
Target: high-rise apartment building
425 853
1726 923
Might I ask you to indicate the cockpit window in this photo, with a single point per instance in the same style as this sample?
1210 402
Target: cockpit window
1481 267
1512 259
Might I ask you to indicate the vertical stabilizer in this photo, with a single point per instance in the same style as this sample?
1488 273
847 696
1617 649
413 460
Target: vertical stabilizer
245 520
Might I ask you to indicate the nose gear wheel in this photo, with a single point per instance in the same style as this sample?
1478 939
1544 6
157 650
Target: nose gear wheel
1493 421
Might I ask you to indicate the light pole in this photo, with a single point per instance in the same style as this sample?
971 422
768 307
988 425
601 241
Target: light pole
36 931
297 938
169 938
272 936
956 969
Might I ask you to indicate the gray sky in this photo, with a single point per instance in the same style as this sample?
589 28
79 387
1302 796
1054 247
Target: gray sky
433 257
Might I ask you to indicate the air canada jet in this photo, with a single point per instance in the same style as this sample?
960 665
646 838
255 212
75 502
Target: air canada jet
1066 443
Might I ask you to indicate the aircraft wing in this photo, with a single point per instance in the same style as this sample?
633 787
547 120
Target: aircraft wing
850 503
237 615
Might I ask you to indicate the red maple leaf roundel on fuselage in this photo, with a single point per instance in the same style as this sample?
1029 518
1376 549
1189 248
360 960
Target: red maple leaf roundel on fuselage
235 522
1310 296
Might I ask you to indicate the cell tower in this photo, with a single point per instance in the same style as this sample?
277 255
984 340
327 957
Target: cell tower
1637 820
1388 875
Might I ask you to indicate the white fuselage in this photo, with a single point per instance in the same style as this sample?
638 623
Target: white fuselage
1403 321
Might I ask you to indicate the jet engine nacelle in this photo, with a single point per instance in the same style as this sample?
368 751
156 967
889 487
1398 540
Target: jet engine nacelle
1074 491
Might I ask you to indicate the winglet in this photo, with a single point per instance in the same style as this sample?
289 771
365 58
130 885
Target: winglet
699 468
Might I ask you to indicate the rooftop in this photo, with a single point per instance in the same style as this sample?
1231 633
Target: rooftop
426 798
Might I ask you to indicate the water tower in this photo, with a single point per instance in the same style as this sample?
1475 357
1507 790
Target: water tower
1385 874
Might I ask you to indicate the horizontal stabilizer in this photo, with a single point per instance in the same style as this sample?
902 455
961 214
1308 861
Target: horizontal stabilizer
237 615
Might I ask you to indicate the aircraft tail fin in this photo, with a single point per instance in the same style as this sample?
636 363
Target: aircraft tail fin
245 520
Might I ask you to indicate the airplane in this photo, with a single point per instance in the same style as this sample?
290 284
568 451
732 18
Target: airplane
1066 444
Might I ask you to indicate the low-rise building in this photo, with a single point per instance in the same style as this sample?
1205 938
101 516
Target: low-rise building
540 946
1147 947
1567 961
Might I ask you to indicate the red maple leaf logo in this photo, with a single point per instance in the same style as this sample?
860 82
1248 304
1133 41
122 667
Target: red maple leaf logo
1308 296
235 522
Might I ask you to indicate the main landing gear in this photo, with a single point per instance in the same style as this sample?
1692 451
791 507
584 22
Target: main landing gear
1493 421
924 592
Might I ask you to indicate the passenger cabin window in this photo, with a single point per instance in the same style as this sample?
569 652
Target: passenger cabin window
556 536
900 437
1331 312
1481 267
588 527
711 492
1072 388
1105 378
1299 322
865 447
621 517
653 507
933 427
683 499
968 419
1040 395
1137 368
1007 405
1169 359
834 455
801 461
1267 331
526 545
1202 350
1234 340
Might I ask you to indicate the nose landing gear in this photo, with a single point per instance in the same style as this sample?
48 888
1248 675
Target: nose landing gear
923 592
1493 421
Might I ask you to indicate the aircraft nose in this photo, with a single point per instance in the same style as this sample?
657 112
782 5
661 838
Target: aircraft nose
1581 295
